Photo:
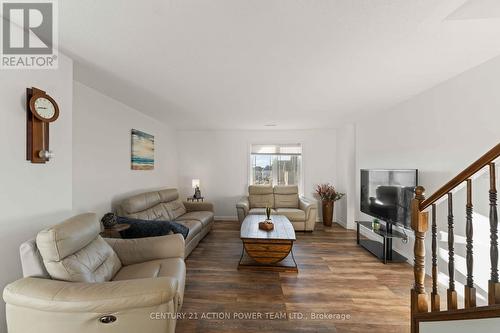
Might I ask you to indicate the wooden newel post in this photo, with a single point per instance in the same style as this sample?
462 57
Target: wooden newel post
419 224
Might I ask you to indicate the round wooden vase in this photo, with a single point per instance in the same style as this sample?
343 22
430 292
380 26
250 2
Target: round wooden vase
327 212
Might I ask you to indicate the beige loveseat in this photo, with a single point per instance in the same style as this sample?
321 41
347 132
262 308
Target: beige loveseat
166 205
284 200
76 281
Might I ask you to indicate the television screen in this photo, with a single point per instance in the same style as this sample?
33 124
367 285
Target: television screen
387 194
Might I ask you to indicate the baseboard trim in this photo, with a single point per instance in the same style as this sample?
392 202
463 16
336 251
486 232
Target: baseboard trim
341 223
226 218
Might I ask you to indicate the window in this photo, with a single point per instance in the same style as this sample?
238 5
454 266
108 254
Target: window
276 165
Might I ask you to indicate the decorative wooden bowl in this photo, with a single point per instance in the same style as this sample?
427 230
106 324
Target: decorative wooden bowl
265 225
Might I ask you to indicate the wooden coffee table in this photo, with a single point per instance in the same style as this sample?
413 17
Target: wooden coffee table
267 250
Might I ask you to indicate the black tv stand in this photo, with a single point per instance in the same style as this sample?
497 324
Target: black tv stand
382 250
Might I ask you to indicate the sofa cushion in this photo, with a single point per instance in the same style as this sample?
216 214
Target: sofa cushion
73 251
286 196
293 214
203 216
173 267
149 206
260 211
194 227
66 238
169 194
286 189
97 262
155 213
260 196
140 202
151 269
175 209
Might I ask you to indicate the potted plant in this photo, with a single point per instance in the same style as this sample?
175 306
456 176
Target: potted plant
328 196
268 213
268 224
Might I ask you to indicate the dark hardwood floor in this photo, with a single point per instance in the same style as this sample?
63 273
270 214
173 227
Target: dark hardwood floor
336 278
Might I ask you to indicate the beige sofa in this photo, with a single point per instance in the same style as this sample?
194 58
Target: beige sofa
76 281
166 205
284 200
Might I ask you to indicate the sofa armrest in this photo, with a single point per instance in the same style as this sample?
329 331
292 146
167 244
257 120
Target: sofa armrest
243 204
307 205
199 206
106 297
242 208
133 251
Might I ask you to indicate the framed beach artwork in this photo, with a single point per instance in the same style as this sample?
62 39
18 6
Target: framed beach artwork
143 151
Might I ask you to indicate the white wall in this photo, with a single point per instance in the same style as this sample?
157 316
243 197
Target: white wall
440 132
32 196
220 160
101 159
91 140
345 209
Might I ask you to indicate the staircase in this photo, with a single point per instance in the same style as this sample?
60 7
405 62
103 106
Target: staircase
421 312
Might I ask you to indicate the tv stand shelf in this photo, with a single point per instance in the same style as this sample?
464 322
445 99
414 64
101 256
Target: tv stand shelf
382 250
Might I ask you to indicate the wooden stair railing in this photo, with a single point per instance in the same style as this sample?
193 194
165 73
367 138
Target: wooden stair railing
419 224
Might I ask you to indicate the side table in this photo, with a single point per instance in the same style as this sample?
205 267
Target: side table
193 199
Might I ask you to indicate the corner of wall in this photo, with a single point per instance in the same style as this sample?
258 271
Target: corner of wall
346 174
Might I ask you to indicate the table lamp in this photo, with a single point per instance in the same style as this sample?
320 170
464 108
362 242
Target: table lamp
196 185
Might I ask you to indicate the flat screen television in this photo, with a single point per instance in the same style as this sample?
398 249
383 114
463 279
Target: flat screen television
386 194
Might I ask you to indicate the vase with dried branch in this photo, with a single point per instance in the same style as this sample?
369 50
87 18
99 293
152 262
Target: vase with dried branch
328 196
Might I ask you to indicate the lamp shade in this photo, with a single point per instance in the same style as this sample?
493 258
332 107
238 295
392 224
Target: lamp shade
195 183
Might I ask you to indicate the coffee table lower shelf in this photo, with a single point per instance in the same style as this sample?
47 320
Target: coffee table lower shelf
286 265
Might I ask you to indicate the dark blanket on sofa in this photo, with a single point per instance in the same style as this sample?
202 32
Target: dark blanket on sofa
145 228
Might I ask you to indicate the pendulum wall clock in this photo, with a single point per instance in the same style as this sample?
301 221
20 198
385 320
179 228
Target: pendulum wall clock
41 111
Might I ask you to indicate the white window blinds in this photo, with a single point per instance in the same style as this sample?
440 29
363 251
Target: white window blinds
285 149
276 164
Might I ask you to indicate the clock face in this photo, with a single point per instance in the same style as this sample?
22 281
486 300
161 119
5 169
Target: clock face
44 108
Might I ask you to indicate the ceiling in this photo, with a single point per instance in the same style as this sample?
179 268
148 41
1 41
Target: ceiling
234 64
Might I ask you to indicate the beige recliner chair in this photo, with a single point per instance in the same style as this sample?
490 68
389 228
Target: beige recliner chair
284 200
76 281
